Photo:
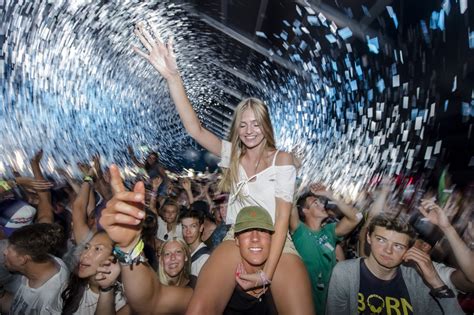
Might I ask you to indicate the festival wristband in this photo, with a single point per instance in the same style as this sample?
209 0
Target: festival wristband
442 292
4 185
135 256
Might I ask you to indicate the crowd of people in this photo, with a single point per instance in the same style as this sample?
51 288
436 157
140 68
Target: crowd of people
240 241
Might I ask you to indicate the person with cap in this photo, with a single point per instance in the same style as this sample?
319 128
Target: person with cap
253 235
315 239
143 290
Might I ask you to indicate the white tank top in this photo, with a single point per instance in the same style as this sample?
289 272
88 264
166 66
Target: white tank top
260 189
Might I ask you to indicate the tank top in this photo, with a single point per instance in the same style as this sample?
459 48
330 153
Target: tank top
259 189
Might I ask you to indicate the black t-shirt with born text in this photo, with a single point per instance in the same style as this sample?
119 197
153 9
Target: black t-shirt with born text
382 297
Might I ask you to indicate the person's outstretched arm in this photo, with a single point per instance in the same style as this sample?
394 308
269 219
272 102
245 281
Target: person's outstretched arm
163 59
134 158
122 219
464 256
45 207
350 219
80 228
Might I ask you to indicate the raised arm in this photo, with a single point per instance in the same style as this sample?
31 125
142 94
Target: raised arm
464 256
101 184
187 187
350 219
45 207
162 57
155 184
134 158
122 220
294 219
80 228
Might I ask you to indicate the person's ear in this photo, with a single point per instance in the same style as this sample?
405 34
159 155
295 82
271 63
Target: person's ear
368 239
201 228
237 242
23 259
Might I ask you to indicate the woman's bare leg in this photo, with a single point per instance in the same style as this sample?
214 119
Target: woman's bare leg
216 281
291 288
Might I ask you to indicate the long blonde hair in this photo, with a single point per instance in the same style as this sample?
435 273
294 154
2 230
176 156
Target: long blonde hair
183 277
231 175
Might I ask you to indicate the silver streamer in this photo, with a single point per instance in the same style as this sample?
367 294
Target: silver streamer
73 86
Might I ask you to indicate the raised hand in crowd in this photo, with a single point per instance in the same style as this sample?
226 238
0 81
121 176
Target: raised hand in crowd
45 207
186 183
437 216
160 56
122 220
35 184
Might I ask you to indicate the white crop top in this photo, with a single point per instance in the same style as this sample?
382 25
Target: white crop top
261 188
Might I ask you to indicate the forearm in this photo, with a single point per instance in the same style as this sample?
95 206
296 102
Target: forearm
106 303
464 256
294 219
278 242
183 106
350 213
141 286
189 193
79 213
91 200
45 207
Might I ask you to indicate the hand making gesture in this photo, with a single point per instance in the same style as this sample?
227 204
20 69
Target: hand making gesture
124 213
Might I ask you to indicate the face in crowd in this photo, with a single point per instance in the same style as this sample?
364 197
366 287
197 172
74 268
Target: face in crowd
173 258
170 213
314 207
14 260
388 247
250 133
95 252
192 230
254 247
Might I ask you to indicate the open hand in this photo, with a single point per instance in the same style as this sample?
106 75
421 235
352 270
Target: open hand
160 56
36 184
434 213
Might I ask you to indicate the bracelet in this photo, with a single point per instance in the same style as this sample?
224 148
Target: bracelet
442 292
108 289
4 185
88 179
264 278
135 256
153 194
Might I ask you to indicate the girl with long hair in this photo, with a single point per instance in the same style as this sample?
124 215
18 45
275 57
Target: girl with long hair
175 264
255 173
90 291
